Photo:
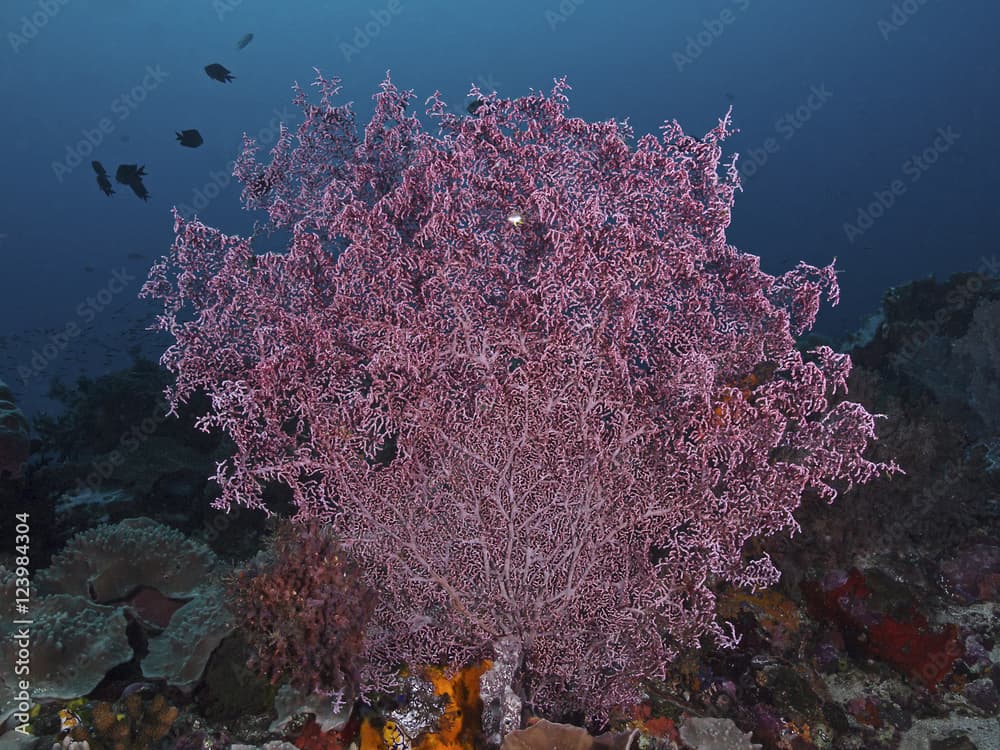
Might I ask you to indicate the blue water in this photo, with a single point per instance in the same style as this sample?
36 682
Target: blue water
866 129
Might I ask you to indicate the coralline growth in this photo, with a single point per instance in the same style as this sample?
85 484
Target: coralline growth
520 370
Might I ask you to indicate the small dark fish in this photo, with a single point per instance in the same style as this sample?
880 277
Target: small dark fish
140 190
474 106
244 41
131 175
135 256
103 181
127 172
218 73
190 138
137 687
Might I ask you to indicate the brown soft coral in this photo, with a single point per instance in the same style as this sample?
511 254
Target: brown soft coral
304 610
132 724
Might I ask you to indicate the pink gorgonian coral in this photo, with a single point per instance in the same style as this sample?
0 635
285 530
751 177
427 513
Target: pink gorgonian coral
518 367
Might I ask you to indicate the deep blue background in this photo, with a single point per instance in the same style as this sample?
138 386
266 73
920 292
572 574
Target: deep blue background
888 92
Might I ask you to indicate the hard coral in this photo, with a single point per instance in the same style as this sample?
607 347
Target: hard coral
163 580
74 644
304 610
110 562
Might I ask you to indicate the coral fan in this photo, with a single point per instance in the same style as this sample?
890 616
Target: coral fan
520 369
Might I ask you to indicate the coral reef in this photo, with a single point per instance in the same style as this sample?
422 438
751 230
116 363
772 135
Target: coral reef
111 562
905 641
149 573
883 632
460 724
715 734
74 643
136 725
546 735
978 352
132 723
111 453
15 444
304 610
548 401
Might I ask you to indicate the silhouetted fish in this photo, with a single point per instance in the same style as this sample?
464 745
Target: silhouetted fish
103 181
126 172
474 105
190 138
218 73
131 175
244 41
